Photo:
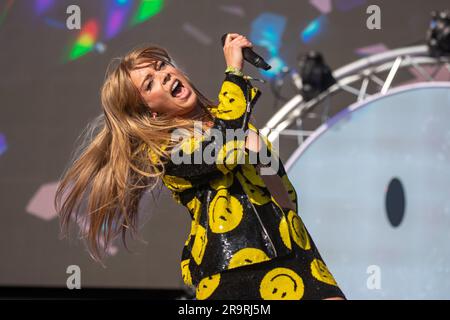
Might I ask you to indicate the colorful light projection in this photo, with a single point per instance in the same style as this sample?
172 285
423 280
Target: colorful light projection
119 15
118 11
85 41
266 31
324 6
313 29
41 6
3 145
41 204
5 10
146 10
348 5
123 13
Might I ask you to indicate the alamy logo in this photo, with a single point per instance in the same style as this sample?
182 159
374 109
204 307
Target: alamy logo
374 280
222 147
74 280
374 20
74 20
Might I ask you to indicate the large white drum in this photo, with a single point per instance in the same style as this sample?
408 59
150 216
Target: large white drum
374 192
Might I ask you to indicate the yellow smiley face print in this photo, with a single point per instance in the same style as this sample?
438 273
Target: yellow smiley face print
230 155
194 206
176 184
232 104
186 273
199 245
298 230
222 182
192 143
284 232
281 284
207 286
320 271
256 195
247 256
249 171
225 212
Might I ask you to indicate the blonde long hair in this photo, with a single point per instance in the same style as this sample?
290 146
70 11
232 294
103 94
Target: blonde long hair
112 168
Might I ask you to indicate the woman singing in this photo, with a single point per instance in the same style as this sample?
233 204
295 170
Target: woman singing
247 240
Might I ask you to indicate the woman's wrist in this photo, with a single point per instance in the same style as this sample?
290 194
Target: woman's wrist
235 71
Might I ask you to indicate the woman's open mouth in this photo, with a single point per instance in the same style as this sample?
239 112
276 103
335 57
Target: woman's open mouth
179 91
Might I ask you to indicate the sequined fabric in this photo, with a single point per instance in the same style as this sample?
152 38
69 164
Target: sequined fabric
237 226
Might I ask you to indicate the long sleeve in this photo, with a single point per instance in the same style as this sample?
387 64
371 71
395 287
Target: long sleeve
201 158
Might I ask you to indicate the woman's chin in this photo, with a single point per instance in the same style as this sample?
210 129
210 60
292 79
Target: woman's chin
189 111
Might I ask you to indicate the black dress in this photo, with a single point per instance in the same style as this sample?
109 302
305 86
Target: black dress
242 244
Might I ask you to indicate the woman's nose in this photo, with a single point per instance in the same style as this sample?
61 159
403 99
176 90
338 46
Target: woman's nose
165 78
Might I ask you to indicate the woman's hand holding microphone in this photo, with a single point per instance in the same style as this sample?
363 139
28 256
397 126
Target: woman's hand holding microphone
232 49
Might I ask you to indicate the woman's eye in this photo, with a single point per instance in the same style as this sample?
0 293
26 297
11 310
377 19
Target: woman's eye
158 67
149 86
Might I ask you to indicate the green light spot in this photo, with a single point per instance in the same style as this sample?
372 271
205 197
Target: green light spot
85 41
80 49
146 10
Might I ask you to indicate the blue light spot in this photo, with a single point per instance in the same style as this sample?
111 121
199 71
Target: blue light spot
267 31
277 65
122 2
313 29
3 145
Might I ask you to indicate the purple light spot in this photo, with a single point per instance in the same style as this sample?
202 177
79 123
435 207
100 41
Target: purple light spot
324 6
55 23
115 22
41 204
117 15
373 49
43 5
347 5
3 145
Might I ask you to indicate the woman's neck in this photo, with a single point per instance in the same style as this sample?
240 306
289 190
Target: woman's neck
195 113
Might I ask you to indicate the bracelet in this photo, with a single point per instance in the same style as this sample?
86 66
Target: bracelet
234 71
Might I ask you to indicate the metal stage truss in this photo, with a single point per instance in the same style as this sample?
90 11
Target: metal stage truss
354 79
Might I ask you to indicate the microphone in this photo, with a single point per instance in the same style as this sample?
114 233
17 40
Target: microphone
251 57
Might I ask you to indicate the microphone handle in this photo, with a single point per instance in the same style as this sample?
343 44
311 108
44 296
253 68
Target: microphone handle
253 58
250 56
